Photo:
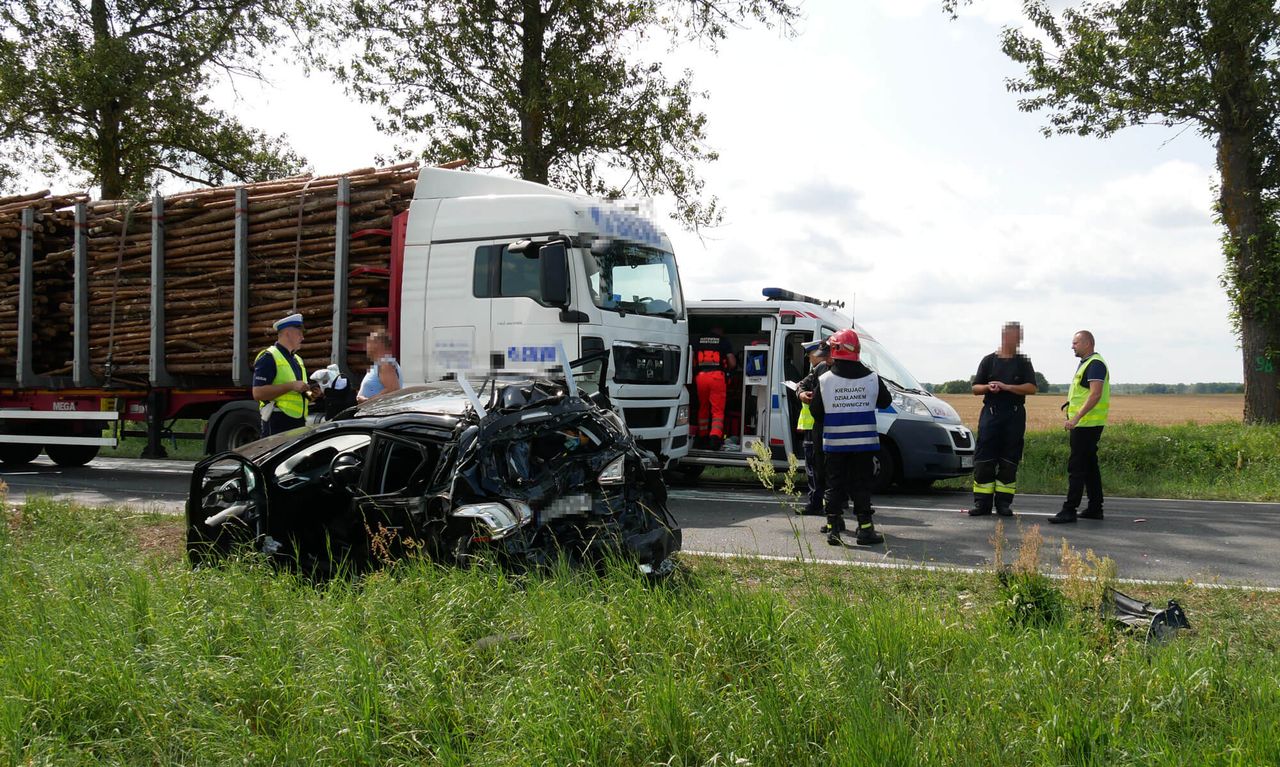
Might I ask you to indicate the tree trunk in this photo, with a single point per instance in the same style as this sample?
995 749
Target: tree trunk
109 114
1243 214
534 160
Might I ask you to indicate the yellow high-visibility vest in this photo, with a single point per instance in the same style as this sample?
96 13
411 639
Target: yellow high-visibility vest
292 404
1080 392
805 421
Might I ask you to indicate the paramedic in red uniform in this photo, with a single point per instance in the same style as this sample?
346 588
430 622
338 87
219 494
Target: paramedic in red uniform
712 360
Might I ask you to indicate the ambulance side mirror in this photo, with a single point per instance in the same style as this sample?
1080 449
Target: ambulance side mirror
553 277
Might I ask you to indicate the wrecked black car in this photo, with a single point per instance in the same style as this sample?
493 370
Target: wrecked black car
520 471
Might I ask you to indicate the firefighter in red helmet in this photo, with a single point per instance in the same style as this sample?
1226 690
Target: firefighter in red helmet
712 361
849 394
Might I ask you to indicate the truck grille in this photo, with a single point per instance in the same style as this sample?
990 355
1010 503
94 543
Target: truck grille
646 417
657 364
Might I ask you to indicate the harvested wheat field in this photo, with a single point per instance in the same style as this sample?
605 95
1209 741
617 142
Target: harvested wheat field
1159 409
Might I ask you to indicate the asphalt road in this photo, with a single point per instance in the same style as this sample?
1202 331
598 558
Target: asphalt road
1204 541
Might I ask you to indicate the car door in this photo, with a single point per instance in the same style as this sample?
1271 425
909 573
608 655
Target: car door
226 507
395 477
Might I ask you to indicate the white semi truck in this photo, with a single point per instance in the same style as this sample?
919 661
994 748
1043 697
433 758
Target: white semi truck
485 273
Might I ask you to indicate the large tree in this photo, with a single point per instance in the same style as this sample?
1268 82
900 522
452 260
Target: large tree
1211 65
567 92
117 90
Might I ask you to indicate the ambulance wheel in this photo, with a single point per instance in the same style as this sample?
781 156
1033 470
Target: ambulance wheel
886 469
18 454
238 427
72 455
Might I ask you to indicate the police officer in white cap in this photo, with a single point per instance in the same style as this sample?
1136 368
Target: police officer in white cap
280 379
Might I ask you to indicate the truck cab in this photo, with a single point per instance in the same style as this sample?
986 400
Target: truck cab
922 437
496 271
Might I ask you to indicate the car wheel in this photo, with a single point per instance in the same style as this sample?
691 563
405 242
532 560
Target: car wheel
18 455
72 455
238 427
886 468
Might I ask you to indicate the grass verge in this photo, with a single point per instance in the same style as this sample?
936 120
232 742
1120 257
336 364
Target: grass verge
115 652
1220 461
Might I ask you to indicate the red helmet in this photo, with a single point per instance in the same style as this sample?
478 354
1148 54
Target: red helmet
845 345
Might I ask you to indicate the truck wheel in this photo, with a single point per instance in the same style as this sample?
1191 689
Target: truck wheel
886 469
72 455
238 427
686 472
18 455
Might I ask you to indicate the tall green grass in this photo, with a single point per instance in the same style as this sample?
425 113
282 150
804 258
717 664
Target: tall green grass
112 655
1226 461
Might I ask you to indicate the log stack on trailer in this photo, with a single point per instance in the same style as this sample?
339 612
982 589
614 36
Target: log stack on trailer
178 293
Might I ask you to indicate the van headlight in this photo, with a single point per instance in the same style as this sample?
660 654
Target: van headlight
682 415
905 403
615 473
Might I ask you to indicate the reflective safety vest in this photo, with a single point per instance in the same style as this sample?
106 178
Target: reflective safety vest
706 354
1080 392
292 404
805 421
849 423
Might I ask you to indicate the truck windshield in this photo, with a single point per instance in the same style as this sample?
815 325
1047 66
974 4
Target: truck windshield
633 279
878 359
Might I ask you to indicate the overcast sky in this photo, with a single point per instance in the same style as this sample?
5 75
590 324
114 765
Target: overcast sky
878 155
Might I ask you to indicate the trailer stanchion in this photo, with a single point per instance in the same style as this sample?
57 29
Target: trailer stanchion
241 370
159 373
341 264
81 376
157 402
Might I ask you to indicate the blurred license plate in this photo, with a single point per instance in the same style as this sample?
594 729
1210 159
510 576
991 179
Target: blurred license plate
966 462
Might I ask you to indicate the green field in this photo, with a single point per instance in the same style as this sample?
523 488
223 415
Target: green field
114 652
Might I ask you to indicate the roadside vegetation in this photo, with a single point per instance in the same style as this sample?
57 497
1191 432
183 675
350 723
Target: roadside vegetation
1219 461
114 651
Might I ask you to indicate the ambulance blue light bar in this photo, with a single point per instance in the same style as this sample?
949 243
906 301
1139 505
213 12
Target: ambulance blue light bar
781 294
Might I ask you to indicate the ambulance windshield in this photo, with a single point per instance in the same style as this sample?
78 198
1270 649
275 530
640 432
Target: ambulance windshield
633 279
878 359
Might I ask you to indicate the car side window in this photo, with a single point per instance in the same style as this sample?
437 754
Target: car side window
319 454
395 465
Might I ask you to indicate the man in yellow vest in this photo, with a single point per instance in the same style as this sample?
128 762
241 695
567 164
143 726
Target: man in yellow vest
813 454
280 379
1088 402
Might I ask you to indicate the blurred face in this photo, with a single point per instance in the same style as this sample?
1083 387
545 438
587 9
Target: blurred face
291 338
1081 346
373 347
1011 336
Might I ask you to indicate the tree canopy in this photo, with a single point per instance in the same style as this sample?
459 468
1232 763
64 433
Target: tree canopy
566 92
1094 68
117 90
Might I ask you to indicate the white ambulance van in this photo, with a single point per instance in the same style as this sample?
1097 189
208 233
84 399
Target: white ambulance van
922 437
498 270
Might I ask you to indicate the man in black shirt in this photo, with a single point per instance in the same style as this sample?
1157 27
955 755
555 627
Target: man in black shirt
1004 380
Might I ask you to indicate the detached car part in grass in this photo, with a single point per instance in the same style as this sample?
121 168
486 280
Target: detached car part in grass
519 471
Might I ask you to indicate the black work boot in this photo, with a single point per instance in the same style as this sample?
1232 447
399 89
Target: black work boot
981 505
1091 514
1004 504
833 529
867 535
1063 517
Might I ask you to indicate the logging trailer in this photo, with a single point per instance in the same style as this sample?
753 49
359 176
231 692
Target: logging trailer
468 271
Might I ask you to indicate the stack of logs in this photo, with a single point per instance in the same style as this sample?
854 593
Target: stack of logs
53 232
292 228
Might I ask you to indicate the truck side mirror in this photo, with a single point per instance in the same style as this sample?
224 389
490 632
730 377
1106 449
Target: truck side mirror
553 278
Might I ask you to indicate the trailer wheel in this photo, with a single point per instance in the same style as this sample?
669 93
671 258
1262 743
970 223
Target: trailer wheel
238 427
72 455
18 455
